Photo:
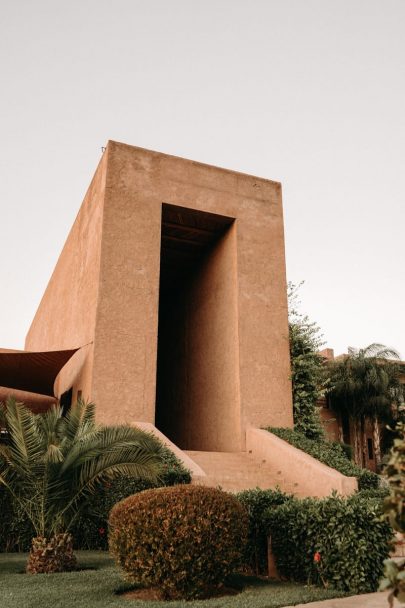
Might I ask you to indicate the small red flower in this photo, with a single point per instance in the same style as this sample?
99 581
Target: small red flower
317 557
101 531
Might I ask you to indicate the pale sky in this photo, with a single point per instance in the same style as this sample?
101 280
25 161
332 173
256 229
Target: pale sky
307 92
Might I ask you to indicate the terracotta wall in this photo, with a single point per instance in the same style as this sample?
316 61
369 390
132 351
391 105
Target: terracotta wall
296 467
104 292
138 182
330 421
66 315
125 350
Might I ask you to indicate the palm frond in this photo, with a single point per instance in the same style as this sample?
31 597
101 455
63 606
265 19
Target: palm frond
3 422
21 424
380 351
52 463
53 455
80 420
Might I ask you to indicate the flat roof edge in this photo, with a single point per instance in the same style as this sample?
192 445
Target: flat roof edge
195 162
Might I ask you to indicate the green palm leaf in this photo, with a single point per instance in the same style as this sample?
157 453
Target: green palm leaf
52 463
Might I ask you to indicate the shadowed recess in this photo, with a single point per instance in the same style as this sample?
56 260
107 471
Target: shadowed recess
34 372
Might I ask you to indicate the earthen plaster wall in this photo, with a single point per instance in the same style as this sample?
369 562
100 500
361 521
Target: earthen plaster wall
138 182
66 315
104 293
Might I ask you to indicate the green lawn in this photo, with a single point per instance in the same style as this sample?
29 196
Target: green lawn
97 588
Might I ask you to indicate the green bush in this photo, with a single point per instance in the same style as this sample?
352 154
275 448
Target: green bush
394 570
348 535
347 449
307 369
16 531
183 539
330 453
367 480
90 528
379 493
257 503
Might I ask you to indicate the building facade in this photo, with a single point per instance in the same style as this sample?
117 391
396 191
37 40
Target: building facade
172 286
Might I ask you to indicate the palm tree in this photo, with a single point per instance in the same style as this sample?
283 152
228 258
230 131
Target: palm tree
51 463
364 384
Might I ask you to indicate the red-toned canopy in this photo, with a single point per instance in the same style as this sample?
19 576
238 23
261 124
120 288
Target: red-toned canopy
34 372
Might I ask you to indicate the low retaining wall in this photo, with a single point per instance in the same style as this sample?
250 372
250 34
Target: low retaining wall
195 470
313 477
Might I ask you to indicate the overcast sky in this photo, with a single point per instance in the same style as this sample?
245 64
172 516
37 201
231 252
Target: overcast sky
307 92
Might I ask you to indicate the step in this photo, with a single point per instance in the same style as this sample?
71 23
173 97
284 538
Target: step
237 471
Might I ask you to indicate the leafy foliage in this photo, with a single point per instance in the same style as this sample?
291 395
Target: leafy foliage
16 530
307 373
330 453
90 530
365 382
51 464
257 503
182 539
394 571
347 533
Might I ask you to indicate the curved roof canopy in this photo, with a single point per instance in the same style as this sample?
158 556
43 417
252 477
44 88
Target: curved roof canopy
34 372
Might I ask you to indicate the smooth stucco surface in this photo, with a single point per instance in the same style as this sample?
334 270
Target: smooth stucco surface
66 316
313 478
104 293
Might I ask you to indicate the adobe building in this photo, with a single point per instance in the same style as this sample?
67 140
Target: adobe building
172 280
172 287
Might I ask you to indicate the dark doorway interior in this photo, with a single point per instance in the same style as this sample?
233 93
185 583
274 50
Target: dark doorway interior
346 429
66 401
189 320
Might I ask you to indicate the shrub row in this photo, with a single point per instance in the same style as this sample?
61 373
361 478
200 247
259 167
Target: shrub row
331 453
348 533
340 542
258 504
91 527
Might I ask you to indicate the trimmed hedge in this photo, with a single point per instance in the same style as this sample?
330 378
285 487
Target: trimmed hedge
341 542
330 453
257 503
91 526
183 540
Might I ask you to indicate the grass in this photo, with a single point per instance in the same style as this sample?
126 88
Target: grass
97 584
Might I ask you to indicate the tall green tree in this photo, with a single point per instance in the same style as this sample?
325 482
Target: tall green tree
51 463
365 384
394 508
307 375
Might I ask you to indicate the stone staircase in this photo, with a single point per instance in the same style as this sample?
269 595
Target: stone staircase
237 471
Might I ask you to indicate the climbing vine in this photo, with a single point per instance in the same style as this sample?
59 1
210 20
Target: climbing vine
307 374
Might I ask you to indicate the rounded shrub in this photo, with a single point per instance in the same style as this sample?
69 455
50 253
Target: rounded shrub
183 539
